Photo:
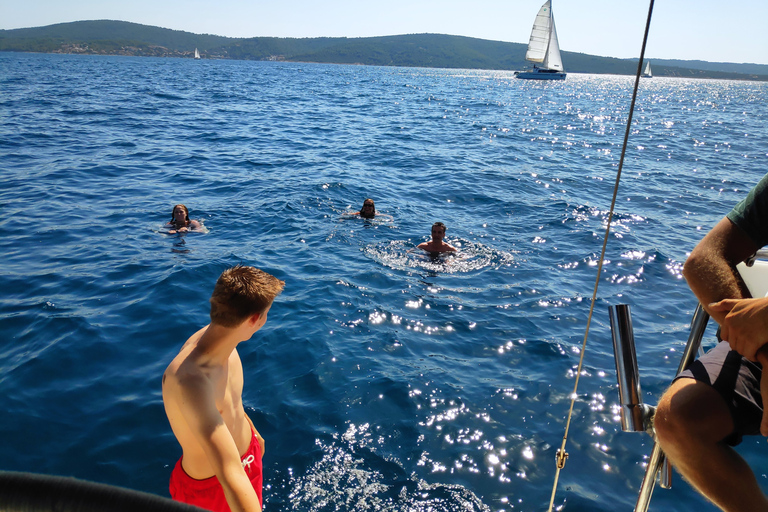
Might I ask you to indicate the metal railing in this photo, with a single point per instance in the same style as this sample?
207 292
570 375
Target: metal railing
635 415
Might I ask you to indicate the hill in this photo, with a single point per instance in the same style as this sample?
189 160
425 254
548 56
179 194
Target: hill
107 37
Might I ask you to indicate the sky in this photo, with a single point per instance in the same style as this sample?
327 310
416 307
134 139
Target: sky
709 30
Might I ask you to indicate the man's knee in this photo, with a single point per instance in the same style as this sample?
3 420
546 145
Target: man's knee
691 411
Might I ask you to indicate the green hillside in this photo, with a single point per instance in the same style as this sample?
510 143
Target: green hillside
422 50
418 50
104 32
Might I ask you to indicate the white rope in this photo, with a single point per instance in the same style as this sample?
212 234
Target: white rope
562 455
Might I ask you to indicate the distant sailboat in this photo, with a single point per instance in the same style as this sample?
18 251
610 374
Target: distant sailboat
543 48
647 73
197 54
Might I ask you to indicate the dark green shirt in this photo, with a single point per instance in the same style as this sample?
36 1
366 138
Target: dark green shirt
751 214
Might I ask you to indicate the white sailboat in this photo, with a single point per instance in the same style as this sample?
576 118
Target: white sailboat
543 48
647 73
197 54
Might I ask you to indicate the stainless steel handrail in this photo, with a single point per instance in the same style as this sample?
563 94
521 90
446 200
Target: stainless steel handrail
634 415
637 413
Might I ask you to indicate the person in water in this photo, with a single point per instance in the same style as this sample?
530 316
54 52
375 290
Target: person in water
719 398
436 245
220 468
180 221
368 211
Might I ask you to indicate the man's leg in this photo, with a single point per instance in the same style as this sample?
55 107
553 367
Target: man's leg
692 419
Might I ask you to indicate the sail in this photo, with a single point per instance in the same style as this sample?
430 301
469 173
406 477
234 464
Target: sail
197 54
647 71
540 35
543 46
552 59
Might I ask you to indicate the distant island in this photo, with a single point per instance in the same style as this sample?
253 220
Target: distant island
105 37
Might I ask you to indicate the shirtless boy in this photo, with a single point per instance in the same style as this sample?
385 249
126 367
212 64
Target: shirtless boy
220 468
436 245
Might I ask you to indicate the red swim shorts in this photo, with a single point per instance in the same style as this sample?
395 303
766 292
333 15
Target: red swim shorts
208 493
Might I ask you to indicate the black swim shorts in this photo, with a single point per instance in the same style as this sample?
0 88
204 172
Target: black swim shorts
737 379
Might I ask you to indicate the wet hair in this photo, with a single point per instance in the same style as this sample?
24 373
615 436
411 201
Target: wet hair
365 215
186 214
439 225
242 292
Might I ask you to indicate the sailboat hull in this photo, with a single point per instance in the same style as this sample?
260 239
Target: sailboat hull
541 74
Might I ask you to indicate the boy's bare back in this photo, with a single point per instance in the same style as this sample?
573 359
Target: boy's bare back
202 381
202 395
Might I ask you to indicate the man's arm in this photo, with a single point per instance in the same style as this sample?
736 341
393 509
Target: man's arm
198 407
711 273
711 268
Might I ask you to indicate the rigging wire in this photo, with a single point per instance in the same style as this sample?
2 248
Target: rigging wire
562 455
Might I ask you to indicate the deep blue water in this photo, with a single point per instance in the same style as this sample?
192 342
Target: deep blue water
382 381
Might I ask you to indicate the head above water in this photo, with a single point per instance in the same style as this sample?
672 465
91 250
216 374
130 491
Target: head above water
438 227
242 292
368 211
178 209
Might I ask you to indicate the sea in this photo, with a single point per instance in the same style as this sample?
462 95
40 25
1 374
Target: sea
383 380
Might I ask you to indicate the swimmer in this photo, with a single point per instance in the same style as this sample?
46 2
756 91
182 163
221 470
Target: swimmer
180 222
368 211
220 468
436 245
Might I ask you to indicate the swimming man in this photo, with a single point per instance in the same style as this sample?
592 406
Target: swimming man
436 245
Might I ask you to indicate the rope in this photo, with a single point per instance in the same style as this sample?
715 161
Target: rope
562 455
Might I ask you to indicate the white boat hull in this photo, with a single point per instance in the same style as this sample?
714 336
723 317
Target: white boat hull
541 74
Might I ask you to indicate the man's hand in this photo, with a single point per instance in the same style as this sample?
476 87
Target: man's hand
745 326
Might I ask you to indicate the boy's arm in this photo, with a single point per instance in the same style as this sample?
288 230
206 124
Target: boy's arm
199 410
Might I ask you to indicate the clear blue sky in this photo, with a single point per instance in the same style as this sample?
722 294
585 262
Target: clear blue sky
710 30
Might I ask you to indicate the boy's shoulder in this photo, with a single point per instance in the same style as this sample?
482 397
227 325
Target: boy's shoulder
182 367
